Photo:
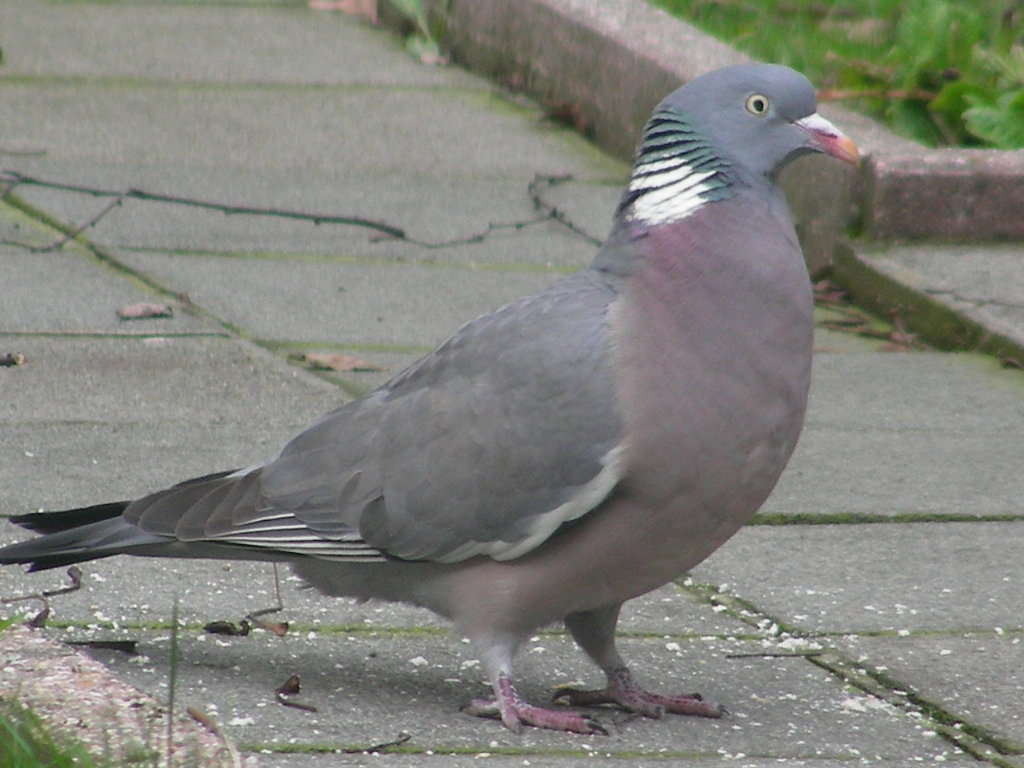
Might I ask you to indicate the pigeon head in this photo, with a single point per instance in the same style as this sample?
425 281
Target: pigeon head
735 126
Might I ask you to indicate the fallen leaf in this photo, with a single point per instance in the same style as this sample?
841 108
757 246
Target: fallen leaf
202 718
291 688
39 620
334 361
568 113
279 628
227 628
143 310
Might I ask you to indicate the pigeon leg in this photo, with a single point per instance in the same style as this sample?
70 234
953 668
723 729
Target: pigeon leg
594 631
515 712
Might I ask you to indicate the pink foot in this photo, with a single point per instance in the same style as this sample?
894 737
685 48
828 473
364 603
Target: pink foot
515 712
624 691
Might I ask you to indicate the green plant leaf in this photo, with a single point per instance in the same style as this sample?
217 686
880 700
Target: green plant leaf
954 98
1000 124
951 103
414 12
911 119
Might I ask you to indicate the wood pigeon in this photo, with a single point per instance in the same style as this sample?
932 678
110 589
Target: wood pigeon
567 452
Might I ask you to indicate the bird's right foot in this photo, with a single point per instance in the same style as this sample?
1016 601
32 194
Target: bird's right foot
515 712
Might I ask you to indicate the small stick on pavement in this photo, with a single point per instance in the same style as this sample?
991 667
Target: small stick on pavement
39 620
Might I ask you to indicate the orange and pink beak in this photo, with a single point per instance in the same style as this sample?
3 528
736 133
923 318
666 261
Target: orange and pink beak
826 138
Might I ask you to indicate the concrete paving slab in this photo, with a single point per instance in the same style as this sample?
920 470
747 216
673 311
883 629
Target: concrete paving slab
892 473
96 40
874 443
877 577
68 291
54 466
123 380
358 382
19 231
976 677
88 420
356 131
386 304
966 393
118 595
489 758
432 210
368 689
443 153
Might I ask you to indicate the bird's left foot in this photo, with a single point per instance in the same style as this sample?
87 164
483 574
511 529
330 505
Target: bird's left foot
624 692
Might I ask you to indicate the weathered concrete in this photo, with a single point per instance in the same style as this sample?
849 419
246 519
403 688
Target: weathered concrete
105 409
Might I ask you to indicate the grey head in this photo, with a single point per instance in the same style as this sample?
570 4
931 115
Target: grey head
735 126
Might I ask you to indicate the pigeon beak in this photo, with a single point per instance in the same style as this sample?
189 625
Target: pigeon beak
826 138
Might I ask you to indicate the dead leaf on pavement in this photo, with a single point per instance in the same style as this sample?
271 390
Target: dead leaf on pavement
202 718
143 310
568 113
333 361
279 628
39 620
228 628
291 688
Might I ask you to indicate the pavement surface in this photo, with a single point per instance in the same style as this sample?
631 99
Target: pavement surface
873 612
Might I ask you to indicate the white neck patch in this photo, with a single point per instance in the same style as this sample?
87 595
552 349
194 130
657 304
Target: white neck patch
667 190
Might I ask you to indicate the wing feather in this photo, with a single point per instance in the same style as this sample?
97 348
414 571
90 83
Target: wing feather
487 446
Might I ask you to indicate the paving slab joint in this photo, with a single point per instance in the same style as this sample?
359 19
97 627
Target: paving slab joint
79 240
973 739
976 740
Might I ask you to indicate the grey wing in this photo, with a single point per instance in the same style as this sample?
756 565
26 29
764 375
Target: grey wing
486 446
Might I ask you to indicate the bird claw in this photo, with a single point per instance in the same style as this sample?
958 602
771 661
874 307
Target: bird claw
623 692
515 712
526 714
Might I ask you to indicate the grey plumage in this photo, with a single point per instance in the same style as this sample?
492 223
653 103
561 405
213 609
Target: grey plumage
569 451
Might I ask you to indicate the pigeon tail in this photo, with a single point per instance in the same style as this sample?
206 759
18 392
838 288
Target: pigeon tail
66 519
75 543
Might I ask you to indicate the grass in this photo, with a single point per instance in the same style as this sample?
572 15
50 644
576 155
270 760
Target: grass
26 743
942 72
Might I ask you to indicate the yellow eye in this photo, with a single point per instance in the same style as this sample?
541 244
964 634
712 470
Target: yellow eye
757 104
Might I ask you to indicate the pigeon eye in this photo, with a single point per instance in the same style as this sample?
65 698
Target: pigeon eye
757 104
